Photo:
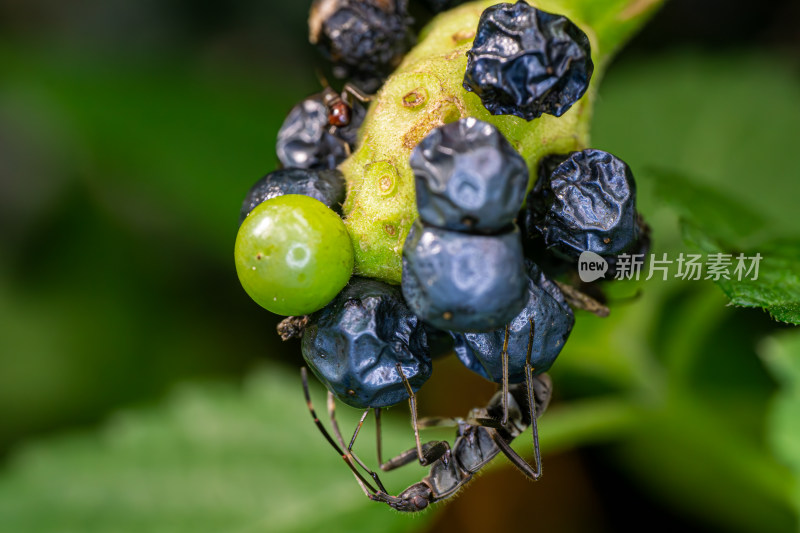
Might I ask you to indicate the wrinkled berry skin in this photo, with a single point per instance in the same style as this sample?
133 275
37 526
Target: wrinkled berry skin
526 62
553 321
327 186
305 139
362 38
589 205
353 344
468 177
463 282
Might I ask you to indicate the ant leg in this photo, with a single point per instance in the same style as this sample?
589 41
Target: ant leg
433 450
368 489
378 436
357 459
486 422
504 360
581 300
437 422
332 416
534 425
518 461
532 400
354 91
350 452
515 459
409 456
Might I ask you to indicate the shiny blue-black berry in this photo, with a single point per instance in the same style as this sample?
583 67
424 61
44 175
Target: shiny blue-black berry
468 177
364 39
463 282
526 62
307 140
327 186
552 321
355 342
588 203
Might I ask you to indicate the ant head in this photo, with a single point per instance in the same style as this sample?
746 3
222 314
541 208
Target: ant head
414 499
339 114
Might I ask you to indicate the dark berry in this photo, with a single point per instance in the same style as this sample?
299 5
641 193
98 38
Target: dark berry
468 177
552 318
362 38
307 140
354 343
541 196
640 247
587 204
526 62
463 282
439 341
437 6
327 186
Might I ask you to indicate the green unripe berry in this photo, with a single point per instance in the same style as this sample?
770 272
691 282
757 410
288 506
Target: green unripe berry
293 255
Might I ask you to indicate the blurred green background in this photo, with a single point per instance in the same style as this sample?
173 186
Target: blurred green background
141 389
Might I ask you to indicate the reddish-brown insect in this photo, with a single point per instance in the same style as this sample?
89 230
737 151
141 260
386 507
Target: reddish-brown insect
339 110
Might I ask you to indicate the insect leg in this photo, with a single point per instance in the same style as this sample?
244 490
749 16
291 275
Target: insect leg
433 450
368 489
581 300
361 463
532 399
504 360
409 456
378 436
332 416
519 462
358 94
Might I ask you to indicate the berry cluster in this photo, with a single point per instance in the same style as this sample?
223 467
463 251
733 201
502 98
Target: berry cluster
475 283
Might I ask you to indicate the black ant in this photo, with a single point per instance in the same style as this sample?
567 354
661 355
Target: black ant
485 433
479 438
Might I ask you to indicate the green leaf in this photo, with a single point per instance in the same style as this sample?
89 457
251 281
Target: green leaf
727 121
715 223
215 459
781 354
778 286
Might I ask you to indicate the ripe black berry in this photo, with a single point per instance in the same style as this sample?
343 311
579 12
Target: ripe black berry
468 177
354 343
463 282
327 186
526 62
362 38
587 204
552 321
307 140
